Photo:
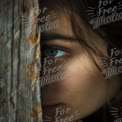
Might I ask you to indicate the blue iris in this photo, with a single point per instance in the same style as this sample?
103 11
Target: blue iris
54 52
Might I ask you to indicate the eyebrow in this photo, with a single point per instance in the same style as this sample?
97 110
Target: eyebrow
45 37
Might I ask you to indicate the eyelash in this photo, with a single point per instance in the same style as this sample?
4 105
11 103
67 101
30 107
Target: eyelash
57 48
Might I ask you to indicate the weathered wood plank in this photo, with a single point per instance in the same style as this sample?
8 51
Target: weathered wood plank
19 51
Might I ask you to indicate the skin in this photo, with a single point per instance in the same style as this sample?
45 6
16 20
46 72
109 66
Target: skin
83 88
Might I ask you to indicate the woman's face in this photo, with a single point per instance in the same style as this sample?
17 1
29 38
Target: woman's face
79 89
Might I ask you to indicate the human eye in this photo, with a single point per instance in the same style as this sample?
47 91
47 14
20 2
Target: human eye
54 52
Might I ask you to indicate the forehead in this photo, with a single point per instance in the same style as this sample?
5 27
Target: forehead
55 21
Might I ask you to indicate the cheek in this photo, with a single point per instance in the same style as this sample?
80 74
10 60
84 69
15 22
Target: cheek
84 83
82 74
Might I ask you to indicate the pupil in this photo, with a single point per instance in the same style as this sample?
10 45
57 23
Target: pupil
51 52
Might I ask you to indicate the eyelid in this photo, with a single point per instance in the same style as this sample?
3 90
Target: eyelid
57 47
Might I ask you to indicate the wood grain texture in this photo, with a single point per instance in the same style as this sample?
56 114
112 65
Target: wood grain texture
20 95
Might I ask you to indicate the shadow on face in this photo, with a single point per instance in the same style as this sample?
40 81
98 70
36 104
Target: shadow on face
74 88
